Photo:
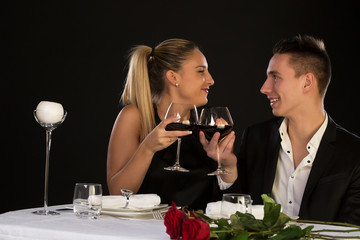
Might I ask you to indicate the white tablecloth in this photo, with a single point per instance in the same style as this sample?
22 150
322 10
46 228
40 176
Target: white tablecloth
25 225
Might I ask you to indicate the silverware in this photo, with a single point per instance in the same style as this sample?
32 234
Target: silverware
158 215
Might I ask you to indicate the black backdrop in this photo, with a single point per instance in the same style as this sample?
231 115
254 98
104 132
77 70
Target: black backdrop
74 53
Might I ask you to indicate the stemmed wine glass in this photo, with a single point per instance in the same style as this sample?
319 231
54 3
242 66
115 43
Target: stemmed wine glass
49 127
212 120
188 118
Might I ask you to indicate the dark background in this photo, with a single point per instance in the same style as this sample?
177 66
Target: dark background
75 53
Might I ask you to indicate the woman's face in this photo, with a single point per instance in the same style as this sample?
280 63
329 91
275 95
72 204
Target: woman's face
194 80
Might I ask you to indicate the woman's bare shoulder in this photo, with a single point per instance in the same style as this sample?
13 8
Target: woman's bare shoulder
128 120
129 112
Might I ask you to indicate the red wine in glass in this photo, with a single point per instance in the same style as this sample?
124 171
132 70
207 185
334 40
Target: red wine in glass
212 120
188 118
180 127
209 131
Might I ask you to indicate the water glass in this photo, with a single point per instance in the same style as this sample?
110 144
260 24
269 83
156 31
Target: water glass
87 201
233 202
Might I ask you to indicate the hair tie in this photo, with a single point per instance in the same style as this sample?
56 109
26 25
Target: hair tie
151 55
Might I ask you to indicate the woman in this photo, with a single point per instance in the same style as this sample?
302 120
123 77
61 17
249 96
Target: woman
140 147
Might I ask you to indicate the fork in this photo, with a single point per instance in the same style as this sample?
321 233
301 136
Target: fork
158 215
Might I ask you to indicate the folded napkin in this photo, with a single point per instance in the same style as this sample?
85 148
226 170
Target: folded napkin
257 211
136 201
213 209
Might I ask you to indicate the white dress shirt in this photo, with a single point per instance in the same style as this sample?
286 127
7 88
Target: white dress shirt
223 185
289 183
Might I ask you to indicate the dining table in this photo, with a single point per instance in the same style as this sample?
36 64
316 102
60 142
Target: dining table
24 225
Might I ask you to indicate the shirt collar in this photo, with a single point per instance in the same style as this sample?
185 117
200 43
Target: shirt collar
314 142
316 139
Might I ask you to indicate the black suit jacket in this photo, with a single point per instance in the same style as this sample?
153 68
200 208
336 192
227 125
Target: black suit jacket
332 192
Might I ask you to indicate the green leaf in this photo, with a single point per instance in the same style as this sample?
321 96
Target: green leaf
307 230
289 233
253 224
281 221
268 207
238 215
213 234
240 236
200 214
222 223
267 199
271 215
223 236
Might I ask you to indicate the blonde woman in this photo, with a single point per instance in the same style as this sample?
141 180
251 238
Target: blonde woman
140 147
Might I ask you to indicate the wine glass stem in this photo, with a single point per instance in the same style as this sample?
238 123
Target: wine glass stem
48 144
218 156
177 163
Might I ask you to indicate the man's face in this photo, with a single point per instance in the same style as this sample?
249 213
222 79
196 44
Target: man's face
282 88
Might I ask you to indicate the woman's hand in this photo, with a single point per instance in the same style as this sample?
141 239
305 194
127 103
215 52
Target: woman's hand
159 138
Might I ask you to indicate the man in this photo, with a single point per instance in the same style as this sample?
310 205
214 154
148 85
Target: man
302 158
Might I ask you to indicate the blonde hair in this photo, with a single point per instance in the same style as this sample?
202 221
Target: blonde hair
145 80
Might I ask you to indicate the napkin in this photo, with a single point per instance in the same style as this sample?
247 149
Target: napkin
214 209
136 201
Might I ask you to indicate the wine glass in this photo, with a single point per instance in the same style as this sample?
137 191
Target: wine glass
188 118
212 120
42 118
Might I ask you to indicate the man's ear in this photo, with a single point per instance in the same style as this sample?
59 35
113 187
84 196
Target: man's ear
309 81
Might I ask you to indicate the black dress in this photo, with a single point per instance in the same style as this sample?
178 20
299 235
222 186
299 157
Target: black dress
193 189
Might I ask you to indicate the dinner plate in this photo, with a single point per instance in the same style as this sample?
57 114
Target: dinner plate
135 213
136 210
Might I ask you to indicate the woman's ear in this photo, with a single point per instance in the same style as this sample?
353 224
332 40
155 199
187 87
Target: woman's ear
172 77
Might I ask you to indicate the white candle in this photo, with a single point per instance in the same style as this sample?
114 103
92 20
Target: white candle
49 112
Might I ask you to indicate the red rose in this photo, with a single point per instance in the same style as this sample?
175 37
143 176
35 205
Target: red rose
173 221
195 229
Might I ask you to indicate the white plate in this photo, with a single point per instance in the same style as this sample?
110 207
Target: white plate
135 213
136 210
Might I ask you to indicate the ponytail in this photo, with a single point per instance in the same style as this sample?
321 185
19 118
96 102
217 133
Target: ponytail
145 81
137 88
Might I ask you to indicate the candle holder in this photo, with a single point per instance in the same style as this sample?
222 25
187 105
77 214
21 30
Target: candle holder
49 127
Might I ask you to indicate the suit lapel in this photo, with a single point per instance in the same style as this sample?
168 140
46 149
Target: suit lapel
272 157
322 159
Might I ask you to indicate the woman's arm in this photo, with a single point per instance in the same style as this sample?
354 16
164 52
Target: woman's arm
128 159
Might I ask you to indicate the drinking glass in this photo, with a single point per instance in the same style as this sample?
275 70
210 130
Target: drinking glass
49 128
188 118
233 202
87 201
212 120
